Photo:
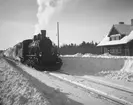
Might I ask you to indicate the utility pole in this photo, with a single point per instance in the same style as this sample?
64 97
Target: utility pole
58 36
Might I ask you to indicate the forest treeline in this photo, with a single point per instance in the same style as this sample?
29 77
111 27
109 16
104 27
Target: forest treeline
84 47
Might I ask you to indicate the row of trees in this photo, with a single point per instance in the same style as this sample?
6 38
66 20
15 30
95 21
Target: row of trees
84 47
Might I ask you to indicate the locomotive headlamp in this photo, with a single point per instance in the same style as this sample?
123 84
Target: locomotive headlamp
40 54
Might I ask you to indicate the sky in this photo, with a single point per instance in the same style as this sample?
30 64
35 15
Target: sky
80 20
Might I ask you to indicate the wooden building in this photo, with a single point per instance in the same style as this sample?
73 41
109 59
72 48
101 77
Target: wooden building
119 41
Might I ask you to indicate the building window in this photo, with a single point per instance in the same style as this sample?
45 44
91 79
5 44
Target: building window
119 50
115 50
112 50
126 52
115 37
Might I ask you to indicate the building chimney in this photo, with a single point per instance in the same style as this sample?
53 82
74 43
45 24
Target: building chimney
131 22
43 33
121 22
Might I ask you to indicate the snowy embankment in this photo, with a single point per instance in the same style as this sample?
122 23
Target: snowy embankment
119 67
16 90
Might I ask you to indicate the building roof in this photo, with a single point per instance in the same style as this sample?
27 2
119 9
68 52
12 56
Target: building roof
124 40
123 29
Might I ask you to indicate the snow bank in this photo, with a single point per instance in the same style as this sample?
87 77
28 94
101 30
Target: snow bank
120 75
105 55
16 90
92 64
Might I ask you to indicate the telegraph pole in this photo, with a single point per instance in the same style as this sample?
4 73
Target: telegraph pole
58 36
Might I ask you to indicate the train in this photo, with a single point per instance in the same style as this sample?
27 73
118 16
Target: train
39 53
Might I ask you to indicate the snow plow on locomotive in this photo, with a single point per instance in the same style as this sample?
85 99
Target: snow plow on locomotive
40 53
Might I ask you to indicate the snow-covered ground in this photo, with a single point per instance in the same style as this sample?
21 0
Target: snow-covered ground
112 89
16 90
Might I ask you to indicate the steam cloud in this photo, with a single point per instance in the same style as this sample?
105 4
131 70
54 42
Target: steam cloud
45 11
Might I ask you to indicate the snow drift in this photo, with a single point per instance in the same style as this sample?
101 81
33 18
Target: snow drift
90 65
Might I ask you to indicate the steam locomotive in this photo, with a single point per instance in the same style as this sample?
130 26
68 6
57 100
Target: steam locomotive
40 53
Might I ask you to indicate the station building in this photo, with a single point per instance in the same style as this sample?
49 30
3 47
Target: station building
119 41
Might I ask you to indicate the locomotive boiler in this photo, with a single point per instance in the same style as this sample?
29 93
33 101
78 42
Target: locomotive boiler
40 53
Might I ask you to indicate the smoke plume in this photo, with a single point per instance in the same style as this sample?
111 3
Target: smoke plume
45 10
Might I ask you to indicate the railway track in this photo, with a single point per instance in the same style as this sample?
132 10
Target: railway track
95 87
115 86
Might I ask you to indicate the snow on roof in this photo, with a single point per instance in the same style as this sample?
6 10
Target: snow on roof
115 35
124 40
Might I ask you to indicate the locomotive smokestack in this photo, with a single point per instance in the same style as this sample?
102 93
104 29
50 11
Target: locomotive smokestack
43 32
